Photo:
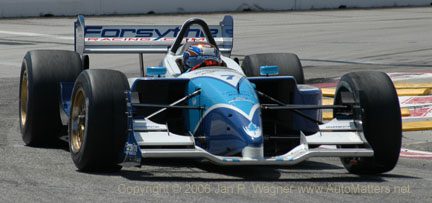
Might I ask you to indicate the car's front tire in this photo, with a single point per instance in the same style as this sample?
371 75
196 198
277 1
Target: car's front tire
98 120
380 115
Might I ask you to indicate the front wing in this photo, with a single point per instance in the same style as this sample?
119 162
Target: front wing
157 142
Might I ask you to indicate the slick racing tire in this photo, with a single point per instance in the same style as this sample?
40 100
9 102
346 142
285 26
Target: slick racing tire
39 93
289 65
380 115
98 120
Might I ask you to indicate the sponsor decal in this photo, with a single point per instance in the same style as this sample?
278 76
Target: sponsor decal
109 32
253 130
137 39
241 98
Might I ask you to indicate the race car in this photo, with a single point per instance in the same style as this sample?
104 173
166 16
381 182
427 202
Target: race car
254 111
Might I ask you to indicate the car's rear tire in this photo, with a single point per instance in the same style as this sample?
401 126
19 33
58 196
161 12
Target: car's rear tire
41 73
289 64
380 116
98 123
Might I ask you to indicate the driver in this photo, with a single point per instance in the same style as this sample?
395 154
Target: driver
201 55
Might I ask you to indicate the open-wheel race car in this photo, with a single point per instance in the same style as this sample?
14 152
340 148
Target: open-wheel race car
258 112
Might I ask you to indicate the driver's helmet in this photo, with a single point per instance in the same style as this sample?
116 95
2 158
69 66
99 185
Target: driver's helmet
201 54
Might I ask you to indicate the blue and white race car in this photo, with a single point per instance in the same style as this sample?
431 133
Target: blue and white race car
258 112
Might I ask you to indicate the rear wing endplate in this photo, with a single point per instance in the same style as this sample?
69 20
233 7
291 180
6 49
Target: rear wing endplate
145 38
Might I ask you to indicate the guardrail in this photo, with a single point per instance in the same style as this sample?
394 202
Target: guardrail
31 8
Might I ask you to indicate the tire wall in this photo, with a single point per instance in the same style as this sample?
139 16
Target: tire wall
30 8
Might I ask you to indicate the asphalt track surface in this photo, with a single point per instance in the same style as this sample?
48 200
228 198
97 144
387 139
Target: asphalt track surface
329 43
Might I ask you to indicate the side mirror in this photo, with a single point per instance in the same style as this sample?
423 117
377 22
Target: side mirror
156 71
269 70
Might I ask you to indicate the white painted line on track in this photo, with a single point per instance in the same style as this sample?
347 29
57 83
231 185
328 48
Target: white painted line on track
401 76
9 63
408 153
405 153
415 119
416 151
32 34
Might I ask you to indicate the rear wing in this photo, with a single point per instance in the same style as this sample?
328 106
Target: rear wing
145 38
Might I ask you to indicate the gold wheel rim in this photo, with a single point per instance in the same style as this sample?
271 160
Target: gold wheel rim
23 98
78 120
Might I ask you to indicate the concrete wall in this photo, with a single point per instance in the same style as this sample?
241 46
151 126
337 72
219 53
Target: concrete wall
24 8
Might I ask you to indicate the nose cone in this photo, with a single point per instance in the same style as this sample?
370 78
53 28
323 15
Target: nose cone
229 130
232 118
